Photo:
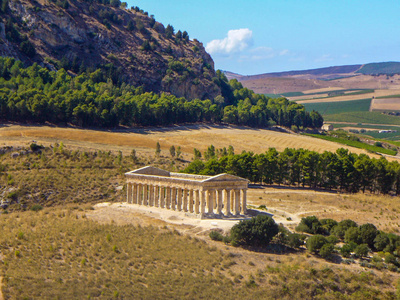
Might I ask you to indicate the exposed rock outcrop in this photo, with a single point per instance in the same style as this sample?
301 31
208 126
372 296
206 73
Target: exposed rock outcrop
92 34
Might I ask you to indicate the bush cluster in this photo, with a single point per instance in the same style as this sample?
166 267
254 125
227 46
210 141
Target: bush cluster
359 240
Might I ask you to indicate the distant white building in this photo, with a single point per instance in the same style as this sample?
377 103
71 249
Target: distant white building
387 131
327 127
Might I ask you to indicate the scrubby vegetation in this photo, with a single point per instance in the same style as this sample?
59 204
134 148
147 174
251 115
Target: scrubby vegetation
348 139
94 99
61 252
343 171
58 175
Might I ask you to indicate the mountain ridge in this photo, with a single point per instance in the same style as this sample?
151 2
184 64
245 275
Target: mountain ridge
382 75
130 44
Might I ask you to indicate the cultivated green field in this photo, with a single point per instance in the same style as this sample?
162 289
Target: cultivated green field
333 108
363 117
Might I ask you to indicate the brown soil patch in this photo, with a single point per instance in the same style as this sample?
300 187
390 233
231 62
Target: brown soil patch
328 89
388 104
298 84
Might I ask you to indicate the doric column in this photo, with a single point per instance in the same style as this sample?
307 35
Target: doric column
210 201
168 197
243 211
179 200
185 200
173 198
139 193
219 202
237 202
163 192
191 201
151 195
145 195
232 200
156 196
227 202
203 202
129 192
197 203
134 193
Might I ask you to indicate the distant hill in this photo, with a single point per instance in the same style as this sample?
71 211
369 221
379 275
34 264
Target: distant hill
368 76
321 73
384 68
128 43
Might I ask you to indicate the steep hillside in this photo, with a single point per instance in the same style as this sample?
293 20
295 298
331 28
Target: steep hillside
128 43
384 68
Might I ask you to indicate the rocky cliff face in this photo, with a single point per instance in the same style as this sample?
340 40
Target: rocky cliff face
128 42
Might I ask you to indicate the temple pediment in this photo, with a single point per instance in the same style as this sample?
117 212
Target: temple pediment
225 177
150 171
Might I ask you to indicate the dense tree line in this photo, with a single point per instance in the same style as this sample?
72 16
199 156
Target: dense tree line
343 171
95 99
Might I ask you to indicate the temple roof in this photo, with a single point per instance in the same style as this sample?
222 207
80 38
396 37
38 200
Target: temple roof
153 171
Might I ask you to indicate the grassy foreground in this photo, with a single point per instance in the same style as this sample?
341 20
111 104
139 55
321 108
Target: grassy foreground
60 254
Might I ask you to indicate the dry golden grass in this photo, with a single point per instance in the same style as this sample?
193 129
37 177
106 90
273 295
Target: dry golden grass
59 253
388 104
187 137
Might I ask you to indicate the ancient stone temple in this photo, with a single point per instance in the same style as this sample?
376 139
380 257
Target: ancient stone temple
222 194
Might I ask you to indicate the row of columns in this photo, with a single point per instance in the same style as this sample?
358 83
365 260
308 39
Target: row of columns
198 201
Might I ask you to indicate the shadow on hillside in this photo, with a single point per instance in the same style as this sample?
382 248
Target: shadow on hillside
147 130
287 187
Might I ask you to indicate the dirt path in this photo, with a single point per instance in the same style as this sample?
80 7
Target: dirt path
1 286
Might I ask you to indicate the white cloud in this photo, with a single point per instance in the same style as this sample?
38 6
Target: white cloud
237 40
323 58
262 53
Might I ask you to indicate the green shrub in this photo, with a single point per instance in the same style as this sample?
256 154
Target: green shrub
353 235
328 224
368 233
216 236
36 207
381 241
342 227
326 251
332 239
361 250
295 240
314 243
310 224
391 259
346 250
257 231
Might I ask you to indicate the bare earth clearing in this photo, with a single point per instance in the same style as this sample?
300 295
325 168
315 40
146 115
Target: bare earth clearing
187 137
286 205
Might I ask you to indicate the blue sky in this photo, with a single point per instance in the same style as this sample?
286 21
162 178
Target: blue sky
261 36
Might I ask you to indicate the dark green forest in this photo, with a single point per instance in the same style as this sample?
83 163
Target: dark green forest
342 171
92 98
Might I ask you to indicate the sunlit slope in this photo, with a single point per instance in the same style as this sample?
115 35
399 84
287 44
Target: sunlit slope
187 137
